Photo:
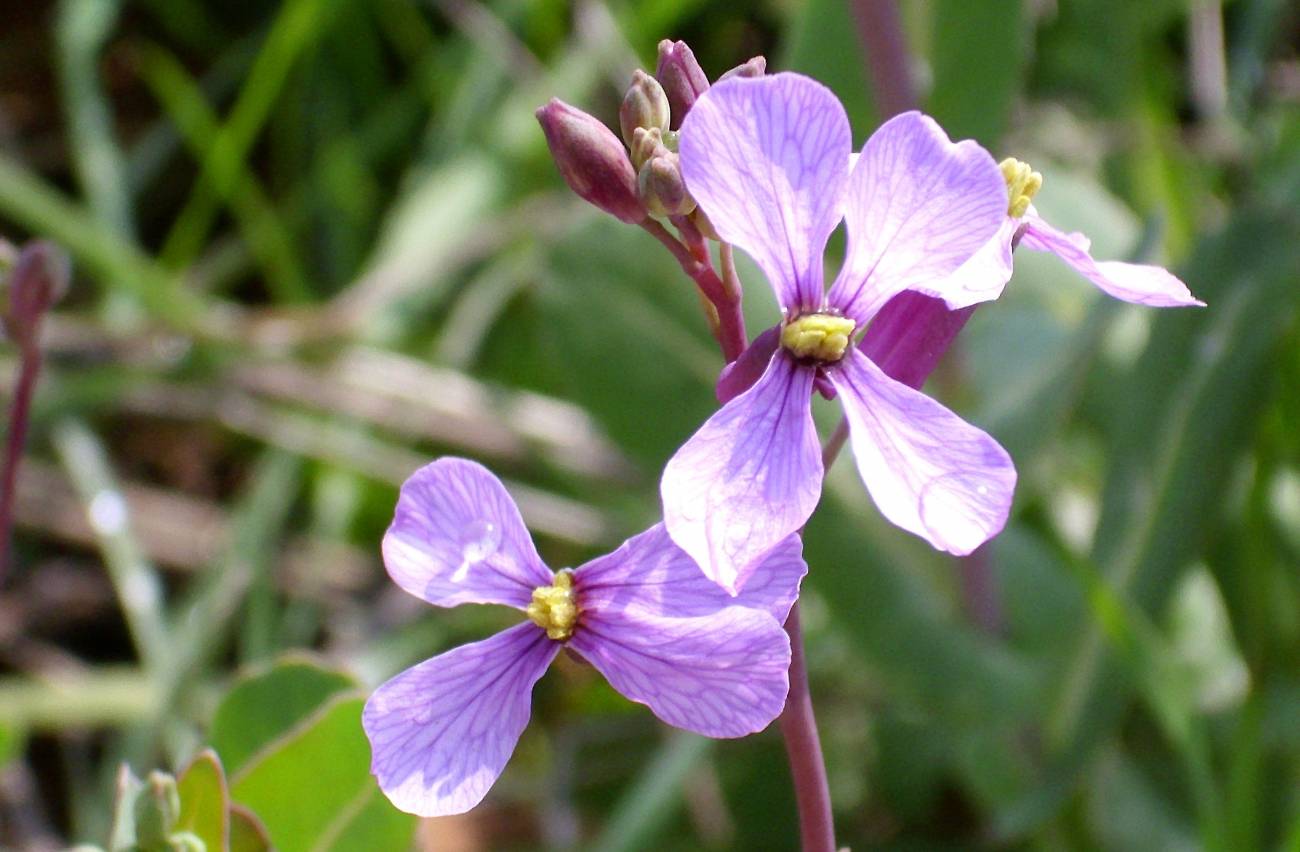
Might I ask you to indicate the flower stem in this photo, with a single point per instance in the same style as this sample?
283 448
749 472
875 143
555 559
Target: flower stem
29 369
803 748
725 297
882 34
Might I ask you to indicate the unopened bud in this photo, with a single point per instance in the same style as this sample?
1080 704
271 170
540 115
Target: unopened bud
646 143
682 78
703 224
754 67
37 280
661 186
644 106
591 160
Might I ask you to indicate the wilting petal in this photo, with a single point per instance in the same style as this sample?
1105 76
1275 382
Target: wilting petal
983 277
441 732
749 477
457 537
918 206
720 675
740 375
1132 282
766 159
929 471
652 574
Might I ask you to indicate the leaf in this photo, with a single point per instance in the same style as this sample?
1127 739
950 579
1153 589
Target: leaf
247 834
264 706
312 787
204 800
976 73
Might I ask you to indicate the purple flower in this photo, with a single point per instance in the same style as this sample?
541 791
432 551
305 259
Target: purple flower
644 616
987 272
768 161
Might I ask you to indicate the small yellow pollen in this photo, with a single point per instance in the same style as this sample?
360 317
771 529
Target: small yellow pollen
553 608
823 337
1023 184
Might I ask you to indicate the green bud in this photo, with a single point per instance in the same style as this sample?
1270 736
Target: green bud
156 811
663 192
646 143
644 105
591 159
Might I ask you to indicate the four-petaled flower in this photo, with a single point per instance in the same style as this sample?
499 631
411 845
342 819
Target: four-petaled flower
768 161
644 616
983 276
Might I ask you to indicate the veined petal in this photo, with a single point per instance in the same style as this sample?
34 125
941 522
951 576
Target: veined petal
1131 282
983 277
457 537
918 206
929 471
766 159
748 478
651 574
441 732
720 675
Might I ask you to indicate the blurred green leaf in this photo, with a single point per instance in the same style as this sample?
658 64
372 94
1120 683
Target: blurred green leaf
313 790
247 834
824 44
977 52
205 802
263 707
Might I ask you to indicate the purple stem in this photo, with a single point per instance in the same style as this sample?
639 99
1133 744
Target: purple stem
19 415
887 58
730 330
802 746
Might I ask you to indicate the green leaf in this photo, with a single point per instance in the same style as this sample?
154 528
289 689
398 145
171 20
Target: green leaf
978 54
312 787
824 45
204 800
263 707
12 742
247 834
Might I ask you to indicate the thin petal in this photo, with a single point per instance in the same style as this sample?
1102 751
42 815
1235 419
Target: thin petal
652 574
766 159
983 277
929 471
740 375
720 675
1131 282
457 537
748 478
441 732
918 206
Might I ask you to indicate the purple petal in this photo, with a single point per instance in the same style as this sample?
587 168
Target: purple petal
457 537
929 471
720 675
766 159
982 277
651 574
1132 282
441 732
918 207
748 478
740 375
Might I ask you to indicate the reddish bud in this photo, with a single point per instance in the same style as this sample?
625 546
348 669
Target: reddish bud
38 279
682 78
591 159
753 67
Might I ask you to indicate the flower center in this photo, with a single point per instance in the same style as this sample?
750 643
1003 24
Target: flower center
553 608
823 337
1023 184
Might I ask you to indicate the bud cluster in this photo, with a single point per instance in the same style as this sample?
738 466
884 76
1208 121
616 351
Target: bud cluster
645 178
34 279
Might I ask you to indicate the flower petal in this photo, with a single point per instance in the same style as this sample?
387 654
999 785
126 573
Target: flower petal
720 675
740 375
929 471
918 206
982 277
766 159
652 574
441 732
1131 282
748 478
457 537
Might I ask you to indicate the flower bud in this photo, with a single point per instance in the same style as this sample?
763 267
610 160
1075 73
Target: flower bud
661 186
682 78
646 143
644 106
591 160
753 67
37 280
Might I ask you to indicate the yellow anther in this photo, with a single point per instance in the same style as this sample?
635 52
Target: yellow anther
1023 184
823 337
553 608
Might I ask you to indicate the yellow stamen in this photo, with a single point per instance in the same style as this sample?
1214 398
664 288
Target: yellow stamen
823 337
1023 184
553 608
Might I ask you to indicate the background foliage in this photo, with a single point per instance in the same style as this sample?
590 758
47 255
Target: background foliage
318 243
